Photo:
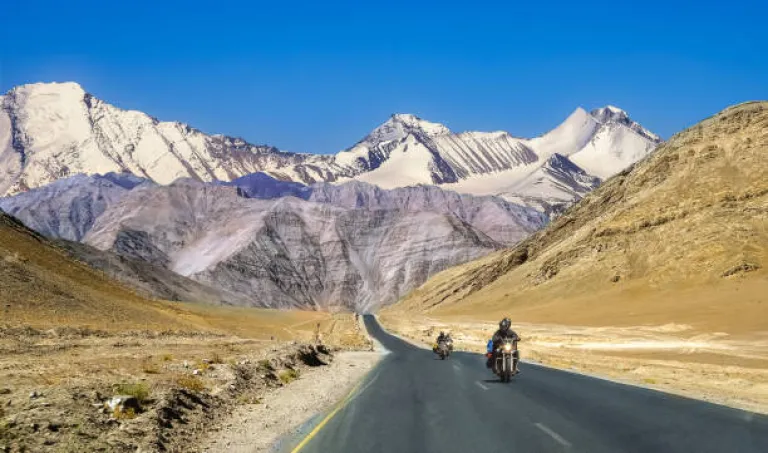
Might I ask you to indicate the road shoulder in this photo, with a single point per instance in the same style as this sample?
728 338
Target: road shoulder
286 413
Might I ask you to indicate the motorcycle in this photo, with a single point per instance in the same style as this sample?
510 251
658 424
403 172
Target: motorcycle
442 349
507 356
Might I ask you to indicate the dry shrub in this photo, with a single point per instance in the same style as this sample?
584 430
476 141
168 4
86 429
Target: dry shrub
126 414
150 367
288 376
216 358
192 383
140 390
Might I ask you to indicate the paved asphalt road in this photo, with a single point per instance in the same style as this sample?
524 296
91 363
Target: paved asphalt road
414 402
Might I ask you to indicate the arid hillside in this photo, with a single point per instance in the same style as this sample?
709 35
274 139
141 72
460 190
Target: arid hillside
681 237
73 341
41 286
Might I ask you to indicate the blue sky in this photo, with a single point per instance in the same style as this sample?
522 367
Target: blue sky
317 76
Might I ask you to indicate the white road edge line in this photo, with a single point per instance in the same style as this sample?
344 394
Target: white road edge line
481 385
553 434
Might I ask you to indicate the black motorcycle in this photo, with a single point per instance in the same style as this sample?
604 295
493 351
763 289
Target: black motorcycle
507 357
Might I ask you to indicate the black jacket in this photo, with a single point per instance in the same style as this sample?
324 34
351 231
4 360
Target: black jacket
500 336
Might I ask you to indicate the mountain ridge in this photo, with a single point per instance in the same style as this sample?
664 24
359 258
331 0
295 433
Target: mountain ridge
50 131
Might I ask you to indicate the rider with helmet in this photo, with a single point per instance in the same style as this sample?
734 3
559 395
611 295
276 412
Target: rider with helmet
504 332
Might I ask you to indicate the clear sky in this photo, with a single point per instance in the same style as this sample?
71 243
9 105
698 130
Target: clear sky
316 76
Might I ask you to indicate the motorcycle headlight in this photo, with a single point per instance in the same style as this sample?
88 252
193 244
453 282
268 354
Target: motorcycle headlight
507 347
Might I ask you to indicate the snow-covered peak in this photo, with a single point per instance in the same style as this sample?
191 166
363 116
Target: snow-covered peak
610 113
614 115
61 88
399 126
412 122
570 136
46 99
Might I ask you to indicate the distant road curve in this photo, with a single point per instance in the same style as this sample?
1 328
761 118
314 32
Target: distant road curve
412 402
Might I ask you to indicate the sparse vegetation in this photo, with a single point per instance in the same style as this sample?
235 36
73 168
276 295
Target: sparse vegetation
150 367
248 399
127 414
266 364
140 391
288 376
192 383
216 358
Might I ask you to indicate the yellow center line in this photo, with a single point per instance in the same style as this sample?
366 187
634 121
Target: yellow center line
350 396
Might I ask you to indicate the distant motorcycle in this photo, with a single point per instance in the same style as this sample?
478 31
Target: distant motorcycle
442 349
507 356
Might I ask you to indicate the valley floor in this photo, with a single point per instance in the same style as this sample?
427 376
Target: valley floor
676 358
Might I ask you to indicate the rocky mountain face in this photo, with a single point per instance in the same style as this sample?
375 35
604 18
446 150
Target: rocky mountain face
680 236
147 279
501 220
288 252
187 227
51 131
67 208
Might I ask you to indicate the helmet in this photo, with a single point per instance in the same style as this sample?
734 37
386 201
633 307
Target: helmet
505 324
442 332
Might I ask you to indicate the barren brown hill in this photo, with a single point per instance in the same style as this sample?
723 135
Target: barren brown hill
681 237
41 286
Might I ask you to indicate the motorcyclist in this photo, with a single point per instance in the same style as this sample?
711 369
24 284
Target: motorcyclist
504 332
443 338
449 341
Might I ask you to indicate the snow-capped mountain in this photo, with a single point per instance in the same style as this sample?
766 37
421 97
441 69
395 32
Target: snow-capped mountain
54 130
50 131
603 142
407 150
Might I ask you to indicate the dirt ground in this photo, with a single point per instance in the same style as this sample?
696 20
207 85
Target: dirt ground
56 385
256 428
713 366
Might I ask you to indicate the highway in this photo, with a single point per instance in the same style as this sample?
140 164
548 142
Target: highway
414 402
